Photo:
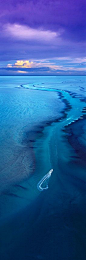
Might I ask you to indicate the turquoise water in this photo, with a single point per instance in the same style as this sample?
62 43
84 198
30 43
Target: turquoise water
43 123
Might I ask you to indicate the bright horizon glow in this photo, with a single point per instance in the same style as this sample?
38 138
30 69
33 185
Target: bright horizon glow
51 65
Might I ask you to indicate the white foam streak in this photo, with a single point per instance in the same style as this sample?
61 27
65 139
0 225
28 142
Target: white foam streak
46 177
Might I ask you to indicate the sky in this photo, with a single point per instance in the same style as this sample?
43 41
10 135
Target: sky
43 37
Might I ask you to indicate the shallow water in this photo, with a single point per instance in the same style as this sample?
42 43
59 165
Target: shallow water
42 128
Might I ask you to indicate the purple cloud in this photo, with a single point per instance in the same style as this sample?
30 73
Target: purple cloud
46 14
42 29
22 32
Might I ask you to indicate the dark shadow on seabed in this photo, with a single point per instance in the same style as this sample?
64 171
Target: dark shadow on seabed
53 226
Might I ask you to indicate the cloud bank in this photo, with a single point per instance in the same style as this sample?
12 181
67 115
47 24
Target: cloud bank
40 29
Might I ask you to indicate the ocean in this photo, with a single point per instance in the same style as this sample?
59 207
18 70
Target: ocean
43 167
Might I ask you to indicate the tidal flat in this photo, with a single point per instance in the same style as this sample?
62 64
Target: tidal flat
43 127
